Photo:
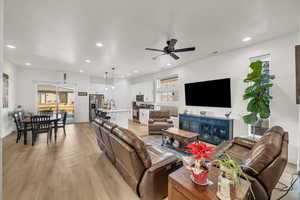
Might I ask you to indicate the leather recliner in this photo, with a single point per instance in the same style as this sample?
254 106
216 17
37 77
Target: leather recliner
144 167
159 120
268 157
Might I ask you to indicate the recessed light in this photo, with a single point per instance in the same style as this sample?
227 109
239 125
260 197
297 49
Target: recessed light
88 61
246 39
135 71
99 44
81 71
169 64
10 46
28 64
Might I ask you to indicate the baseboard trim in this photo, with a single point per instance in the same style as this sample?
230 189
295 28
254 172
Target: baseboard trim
4 136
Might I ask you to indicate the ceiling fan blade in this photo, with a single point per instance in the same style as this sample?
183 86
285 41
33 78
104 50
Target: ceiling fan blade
174 56
185 49
155 57
154 49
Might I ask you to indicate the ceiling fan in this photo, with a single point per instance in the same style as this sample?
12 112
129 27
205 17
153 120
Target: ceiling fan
170 49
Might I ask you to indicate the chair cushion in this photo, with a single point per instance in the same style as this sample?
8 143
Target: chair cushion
238 153
135 142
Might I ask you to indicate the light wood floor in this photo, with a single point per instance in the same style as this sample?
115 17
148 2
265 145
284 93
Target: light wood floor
72 169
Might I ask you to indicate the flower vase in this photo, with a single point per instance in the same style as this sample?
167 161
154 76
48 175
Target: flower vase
199 175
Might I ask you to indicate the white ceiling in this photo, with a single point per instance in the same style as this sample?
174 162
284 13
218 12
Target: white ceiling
60 35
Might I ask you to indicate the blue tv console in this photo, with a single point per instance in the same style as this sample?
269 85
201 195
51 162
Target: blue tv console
210 129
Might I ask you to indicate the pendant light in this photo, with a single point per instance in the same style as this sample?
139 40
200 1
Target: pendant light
112 78
106 77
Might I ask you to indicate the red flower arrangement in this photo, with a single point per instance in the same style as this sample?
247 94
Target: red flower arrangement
200 150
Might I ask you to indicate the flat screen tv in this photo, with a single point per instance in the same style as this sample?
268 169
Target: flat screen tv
215 93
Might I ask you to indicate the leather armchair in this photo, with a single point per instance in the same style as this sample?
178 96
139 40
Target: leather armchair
268 157
159 120
145 168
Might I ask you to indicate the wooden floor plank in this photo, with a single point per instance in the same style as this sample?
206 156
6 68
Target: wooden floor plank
73 168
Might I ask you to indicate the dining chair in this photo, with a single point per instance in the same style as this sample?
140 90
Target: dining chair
62 123
41 124
19 126
46 112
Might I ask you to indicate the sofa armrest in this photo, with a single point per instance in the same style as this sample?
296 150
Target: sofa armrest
245 142
163 161
150 121
169 121
154 184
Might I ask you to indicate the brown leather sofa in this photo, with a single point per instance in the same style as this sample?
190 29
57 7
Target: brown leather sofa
268 157
159 120
144 167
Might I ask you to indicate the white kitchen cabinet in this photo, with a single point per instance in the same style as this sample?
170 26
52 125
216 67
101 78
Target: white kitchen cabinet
143 88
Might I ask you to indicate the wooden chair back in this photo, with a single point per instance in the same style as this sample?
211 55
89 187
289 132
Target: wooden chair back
40 123
46 112
18 122
64 119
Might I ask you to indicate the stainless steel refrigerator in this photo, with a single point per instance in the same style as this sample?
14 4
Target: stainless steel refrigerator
95 102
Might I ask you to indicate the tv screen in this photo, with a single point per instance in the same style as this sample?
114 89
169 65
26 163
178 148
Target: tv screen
215 93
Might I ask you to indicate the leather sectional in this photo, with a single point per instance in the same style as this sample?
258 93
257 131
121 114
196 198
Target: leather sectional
145 168
268 157
159 120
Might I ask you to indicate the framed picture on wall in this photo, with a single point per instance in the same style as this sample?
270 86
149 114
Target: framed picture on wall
5 79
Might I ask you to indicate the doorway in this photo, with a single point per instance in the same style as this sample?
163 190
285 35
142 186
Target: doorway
56 98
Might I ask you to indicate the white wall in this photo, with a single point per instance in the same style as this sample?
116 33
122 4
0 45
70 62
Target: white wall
27 80
26 89
1 63
299 107
121 94
234 65
8 125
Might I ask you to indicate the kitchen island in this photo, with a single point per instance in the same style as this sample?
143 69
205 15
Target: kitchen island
118 116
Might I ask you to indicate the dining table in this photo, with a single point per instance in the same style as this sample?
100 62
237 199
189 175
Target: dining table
26 121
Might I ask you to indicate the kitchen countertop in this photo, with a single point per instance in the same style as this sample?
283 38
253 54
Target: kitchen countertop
114 110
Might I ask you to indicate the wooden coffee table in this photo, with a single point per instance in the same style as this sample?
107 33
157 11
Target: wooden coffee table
184 137
181 187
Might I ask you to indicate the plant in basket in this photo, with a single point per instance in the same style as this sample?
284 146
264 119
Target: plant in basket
201 153
231 175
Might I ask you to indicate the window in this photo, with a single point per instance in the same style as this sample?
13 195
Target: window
167 89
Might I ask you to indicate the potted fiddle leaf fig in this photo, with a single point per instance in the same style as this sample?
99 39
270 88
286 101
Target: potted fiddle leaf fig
257 93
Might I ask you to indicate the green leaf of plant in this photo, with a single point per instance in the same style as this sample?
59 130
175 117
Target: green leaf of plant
252 106
257 65
250 118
